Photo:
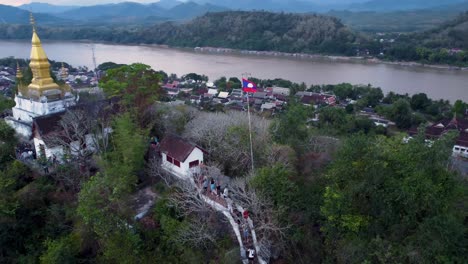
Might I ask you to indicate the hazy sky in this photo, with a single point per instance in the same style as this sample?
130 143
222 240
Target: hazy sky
95 2
70 2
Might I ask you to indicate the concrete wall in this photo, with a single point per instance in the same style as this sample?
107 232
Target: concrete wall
57 151
22 128
196 154
26 109
460 151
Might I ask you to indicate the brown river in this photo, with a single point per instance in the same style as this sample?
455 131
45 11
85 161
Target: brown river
436 83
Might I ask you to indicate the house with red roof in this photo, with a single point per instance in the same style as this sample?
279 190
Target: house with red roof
179 156
438 129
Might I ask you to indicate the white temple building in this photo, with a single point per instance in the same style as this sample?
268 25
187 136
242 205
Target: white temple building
40 98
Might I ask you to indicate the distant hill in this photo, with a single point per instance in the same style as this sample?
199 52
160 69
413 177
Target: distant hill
14 15
401 21
121 10
38 7
257 31
453 34
262 31
135 13
397 21
394 5
300 6
192 9
167 4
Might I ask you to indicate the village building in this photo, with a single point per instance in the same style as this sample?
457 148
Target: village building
316 99
180 156
195 99
279 91
213 92
438 129
237 93
268 106
223 95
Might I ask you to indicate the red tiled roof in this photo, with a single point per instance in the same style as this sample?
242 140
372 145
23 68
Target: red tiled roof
281 97
434 132
462 140
176 147
313 99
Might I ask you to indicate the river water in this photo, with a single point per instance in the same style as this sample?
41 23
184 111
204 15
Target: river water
436 83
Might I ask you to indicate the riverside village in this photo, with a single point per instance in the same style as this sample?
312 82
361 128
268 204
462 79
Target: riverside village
123 133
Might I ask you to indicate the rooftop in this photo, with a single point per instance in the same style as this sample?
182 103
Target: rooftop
177 147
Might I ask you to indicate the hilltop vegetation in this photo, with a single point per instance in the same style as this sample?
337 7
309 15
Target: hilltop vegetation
339 191
398 21
434 46
257 31
451 34
238 30
281 32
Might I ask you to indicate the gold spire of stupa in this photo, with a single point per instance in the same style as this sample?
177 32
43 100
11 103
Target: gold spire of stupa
19 73
63 73
19 77
42 83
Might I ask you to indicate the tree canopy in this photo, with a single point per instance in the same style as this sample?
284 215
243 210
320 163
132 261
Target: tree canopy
387 201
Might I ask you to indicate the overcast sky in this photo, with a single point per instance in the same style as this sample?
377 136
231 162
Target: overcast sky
71 2
95 2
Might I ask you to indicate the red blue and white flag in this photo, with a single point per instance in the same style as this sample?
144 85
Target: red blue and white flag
249 86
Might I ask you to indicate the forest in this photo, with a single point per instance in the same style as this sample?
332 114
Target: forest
328 193
282 32
433 46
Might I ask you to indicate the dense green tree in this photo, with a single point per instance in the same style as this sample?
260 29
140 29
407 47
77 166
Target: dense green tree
7 143
109 65
195 77
234 83
420 102
460 108
6 103
136 85
275 183
401 114
221 84
343 91
294 119
103 199
388 201
63 250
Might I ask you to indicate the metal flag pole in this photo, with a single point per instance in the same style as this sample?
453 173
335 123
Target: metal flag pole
246 76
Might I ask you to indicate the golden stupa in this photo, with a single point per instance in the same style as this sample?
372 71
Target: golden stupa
42 85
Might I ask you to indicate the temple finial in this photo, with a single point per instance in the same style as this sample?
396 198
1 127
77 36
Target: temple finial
64 72
32 21
19 74
19 77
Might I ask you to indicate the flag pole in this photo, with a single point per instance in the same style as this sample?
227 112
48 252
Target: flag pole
250 126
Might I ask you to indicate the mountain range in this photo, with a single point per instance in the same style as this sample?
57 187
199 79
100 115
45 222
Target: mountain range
360 14
399 5
124 13
38 7
301 6
13 15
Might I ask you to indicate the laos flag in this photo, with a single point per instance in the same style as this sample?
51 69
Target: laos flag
249 86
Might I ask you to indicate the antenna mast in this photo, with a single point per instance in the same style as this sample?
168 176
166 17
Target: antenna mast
94 62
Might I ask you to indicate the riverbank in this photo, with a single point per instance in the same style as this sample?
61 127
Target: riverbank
357 59
436 83
316 57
